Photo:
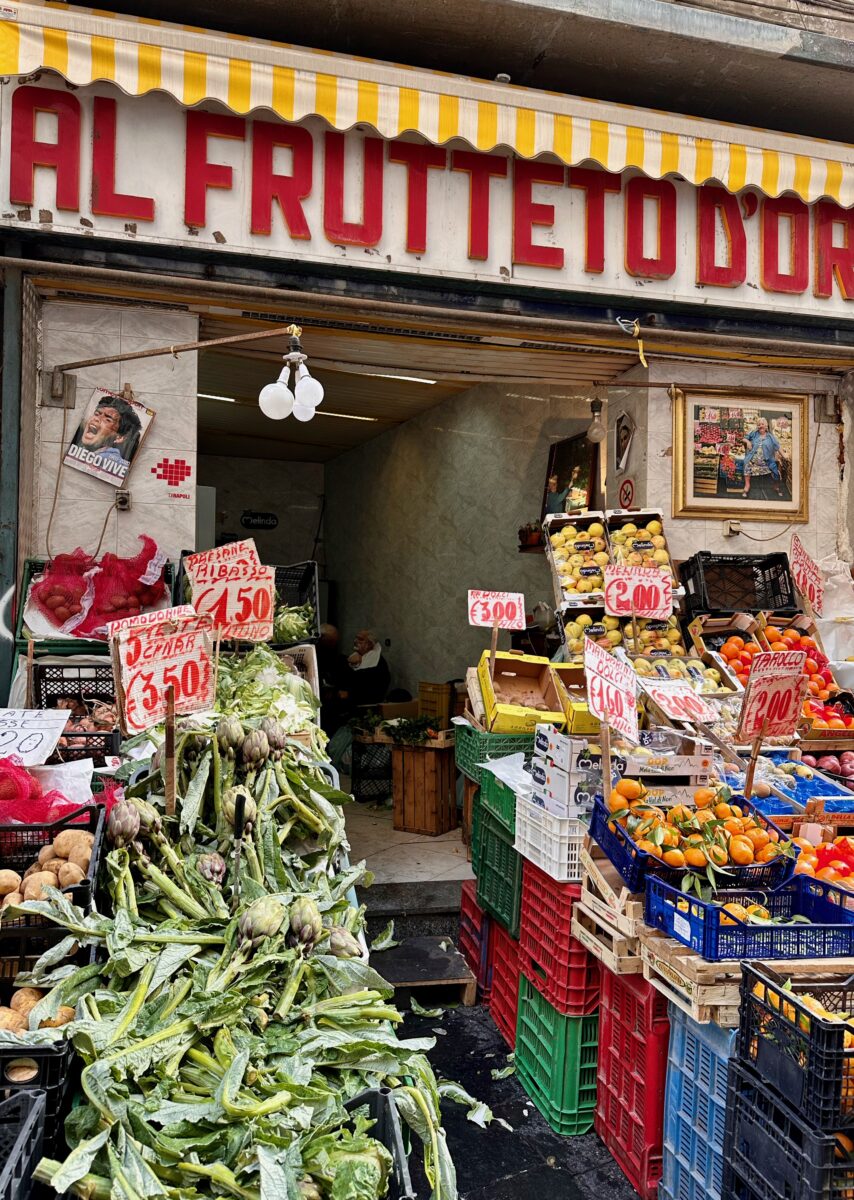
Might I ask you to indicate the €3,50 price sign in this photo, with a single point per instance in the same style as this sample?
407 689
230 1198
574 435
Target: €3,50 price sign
639 592
774 695
504 609
807 576
611 690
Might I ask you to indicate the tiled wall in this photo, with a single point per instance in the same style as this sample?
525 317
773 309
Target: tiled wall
167 384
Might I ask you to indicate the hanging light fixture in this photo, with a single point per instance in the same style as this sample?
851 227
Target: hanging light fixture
596 431
277 401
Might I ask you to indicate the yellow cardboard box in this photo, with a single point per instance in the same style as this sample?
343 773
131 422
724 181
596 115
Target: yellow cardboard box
571 689
516 676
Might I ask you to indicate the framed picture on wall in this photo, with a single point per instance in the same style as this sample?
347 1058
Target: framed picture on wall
109 436
741 455
624 432
572 476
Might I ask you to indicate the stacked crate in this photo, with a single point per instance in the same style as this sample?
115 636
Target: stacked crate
474 935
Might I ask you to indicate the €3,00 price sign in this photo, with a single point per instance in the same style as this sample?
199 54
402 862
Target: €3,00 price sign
774 695
150 657
807 576
504 609
611 688
679 701
639 592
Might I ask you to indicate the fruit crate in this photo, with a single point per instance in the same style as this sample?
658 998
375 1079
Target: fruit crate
474 934
21 1134
695 1100
717 935
559 967
499 799
634 865
20 846
805 1058
434 700
556 1061
297 585
724 584
771 1152
552 843
633 1041
472 748
499 872
502 981
388 1130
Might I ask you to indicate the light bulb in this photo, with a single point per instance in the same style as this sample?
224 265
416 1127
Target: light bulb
303 412
307 391
597 431
276 401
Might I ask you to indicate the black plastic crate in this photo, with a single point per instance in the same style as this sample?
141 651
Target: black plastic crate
99 745
20 846
802 1056
297 585
371 771
22 1120
771 1153
387 1130
84 682
721 584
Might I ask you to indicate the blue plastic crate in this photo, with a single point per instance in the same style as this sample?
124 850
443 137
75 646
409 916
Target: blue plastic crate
635 865
695 1109
703 926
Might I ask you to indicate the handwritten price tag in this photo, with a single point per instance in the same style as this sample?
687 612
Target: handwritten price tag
506 608
611 687
807 576
644 591
240 606
148 659
223 562
774 697
679 701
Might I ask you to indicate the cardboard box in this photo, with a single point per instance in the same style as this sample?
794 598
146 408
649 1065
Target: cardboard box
579 805
518 676
406 710
579 719
710 633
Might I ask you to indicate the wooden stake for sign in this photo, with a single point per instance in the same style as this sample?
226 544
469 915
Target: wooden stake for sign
493 649
216 659
605 742
754 755
169 755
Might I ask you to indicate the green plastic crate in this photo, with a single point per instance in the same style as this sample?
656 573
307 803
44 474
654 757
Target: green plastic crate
499 800
499 872
471 748
556 1058
475 833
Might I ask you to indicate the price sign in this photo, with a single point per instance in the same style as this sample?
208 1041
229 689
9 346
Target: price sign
148 659
506 609
241 605
149 619
611 686
807 576
642 591
223 562
679 701
774 697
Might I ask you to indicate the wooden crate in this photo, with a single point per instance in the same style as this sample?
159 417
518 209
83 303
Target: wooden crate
424 789
605 895
613 949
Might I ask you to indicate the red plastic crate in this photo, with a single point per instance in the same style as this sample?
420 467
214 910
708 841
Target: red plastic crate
558 966
503 981
474 934
634 1032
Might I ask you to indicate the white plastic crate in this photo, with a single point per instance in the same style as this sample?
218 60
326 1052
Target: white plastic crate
551 843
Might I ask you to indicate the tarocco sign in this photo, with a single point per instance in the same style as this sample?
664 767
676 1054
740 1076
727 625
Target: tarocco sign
93 161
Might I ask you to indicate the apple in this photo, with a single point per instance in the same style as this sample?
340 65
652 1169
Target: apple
808 760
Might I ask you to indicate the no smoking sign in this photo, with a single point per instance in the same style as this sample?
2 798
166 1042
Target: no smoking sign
627 493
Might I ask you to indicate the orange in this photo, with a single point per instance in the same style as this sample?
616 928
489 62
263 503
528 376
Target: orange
704 796
758 910
717 855
759 838
812 859
844 1147
649 848
804 844
735 640
791 635
827 874
616 802
824 694
733 825
767 853
674 858
836 723
807 643
741 850
737 811
672 837
840 865
818 723
694 857
678 814
722 811
773 634
703 816
733 909
804 868
813 688
630 789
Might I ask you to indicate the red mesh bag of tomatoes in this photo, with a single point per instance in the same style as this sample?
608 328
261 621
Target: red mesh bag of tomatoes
124 587
61 593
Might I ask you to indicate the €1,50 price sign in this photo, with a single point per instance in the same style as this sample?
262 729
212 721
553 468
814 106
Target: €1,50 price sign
240 606
504 609
774 695
611 690
807 576
639 592
679 701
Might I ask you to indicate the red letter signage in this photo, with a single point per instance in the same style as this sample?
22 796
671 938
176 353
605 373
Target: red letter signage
831 260
27 153
201 174
797 217
106 200
595 184
663 263
289 190
481 168
369 230
527 214
710 202
418 159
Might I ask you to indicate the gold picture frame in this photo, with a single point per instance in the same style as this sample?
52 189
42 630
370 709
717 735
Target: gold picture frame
741 455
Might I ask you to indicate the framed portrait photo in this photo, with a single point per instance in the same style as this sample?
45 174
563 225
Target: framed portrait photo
572 476
109 436
741 455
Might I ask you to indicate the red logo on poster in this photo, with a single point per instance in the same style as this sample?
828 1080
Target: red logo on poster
173 473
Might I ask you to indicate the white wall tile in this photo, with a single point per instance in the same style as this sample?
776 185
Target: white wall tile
175 423
170 327
166 373
173 527
94 320
61 346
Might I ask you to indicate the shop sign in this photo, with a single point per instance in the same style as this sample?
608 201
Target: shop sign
259 520
774 695
638 592
92 161
611 690
503 610
678 701
807 576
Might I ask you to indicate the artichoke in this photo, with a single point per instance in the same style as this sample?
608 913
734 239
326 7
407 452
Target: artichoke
195 742
157 761
309 1190
229 806
123 823
276 734
255 749
261 920
342 943
229 734
212 868
305 921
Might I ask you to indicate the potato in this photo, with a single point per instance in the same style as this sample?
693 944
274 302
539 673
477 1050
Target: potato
63 1016
11 898
81 858
32 870
67 841
46 853
35 885
53 865
12 1021
10 881
70 874
24 999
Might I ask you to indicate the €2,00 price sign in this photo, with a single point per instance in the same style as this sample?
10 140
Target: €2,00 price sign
807 576
639 592
679 701
504 609
241 606
150 657
774 695
611 686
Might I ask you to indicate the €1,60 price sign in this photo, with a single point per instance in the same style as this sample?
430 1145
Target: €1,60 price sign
149 658
807 576
639 592
241 606
774 696
679 701
504 609
611 687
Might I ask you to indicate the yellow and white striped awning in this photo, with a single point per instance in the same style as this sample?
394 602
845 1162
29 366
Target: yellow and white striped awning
245 74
